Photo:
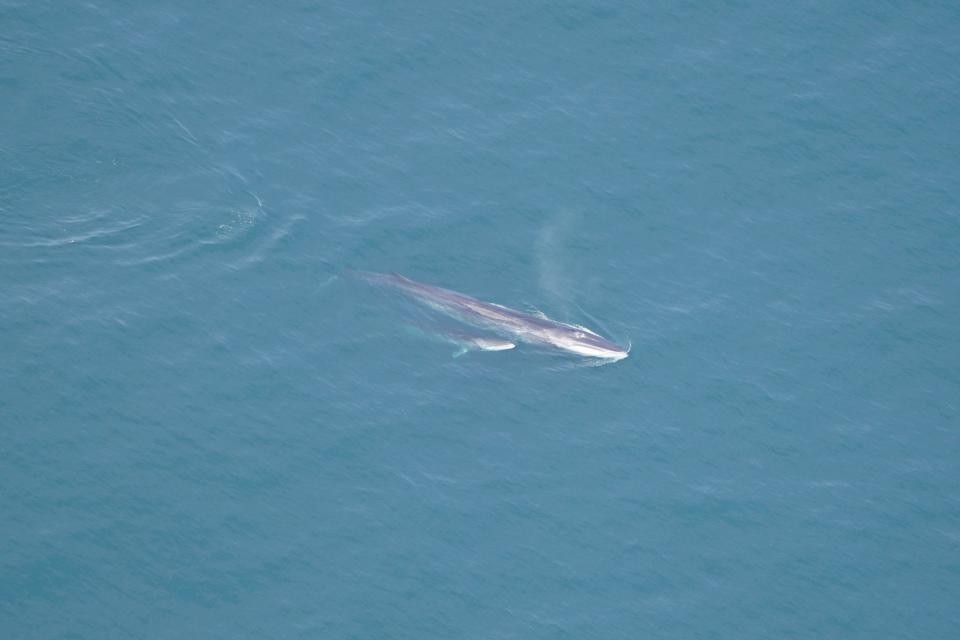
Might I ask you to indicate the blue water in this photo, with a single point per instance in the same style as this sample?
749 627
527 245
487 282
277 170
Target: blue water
209 432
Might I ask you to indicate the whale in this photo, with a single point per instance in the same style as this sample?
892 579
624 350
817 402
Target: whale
520 326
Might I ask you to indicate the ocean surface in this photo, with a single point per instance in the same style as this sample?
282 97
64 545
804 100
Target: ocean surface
208 431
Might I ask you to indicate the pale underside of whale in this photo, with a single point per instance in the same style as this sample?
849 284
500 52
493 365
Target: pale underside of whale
464 341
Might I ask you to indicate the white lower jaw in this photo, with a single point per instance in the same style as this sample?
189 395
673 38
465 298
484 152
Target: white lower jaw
613 356
593 352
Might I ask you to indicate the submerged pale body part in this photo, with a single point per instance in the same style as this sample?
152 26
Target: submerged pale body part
465 341
484 343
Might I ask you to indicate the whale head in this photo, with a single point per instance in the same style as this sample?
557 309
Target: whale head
589 344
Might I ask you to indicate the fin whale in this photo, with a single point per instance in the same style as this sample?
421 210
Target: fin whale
525 327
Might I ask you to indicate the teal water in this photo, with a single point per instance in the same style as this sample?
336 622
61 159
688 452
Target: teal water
209 433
